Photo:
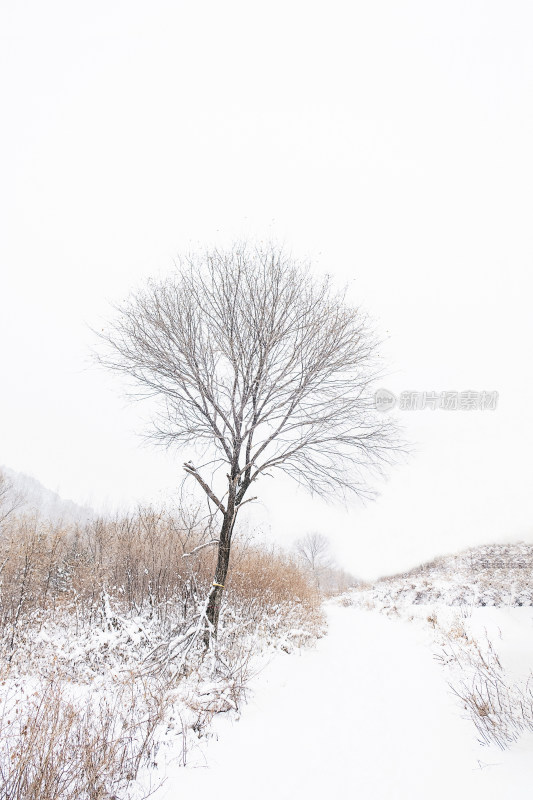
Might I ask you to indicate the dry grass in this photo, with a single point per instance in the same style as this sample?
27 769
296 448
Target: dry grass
501 708
269 574
53 747
500 712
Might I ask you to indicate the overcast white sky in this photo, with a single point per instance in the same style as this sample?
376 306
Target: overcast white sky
389 141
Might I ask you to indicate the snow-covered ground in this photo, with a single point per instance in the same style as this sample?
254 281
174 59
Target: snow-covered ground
391 700
368 712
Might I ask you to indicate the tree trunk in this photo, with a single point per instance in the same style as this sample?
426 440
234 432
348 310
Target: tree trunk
221 571
235 497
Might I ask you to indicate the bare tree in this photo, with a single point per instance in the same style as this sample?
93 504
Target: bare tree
261 366
10 499
315 554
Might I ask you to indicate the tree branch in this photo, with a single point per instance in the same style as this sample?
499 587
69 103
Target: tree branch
190 470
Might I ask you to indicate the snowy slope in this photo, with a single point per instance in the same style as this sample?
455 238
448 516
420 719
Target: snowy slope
491 575
48 504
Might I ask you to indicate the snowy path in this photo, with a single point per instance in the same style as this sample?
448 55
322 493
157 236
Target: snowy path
368 713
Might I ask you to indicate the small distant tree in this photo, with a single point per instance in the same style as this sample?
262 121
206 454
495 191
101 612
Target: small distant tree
260 365
315 554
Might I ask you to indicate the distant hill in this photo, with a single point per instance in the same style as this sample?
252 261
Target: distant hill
37 498
496 574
